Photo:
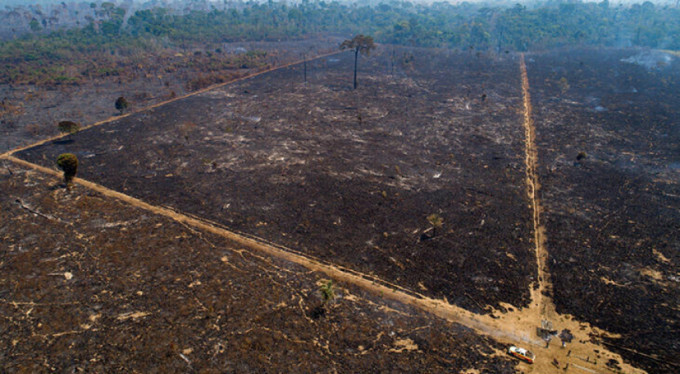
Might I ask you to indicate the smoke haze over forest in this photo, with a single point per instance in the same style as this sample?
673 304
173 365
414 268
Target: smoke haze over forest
483 24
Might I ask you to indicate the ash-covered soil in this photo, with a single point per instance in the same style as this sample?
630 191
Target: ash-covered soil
347 176
613 216
90 284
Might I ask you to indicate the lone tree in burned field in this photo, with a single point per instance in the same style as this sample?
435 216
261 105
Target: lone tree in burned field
360 44
68 162
436 221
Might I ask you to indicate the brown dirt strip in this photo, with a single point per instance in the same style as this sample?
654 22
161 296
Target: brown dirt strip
539 299
552 358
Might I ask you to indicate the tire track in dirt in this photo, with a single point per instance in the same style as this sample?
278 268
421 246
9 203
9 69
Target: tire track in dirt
147 108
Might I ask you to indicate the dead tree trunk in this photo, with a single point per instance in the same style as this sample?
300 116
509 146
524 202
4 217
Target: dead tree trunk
356 59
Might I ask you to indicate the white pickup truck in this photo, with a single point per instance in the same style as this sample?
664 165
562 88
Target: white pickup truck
521 354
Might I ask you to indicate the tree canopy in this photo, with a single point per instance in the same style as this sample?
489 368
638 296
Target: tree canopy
116 30
360 44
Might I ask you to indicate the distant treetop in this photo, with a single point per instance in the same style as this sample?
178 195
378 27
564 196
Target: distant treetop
360 44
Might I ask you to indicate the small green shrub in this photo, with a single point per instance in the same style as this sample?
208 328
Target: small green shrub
68 127
327 292
436 221
121 104
68 162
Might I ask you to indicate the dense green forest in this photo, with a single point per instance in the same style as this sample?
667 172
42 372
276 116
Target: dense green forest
465 26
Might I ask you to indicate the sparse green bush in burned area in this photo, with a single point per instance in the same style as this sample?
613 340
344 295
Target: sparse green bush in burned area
121 104
436 221
68 162
68 127
327 291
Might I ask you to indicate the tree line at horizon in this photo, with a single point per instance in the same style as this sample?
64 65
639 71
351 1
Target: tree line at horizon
465 26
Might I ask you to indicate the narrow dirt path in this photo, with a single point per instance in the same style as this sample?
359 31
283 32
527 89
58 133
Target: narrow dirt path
539 299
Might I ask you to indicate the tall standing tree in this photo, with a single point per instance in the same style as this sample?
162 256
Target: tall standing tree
360 44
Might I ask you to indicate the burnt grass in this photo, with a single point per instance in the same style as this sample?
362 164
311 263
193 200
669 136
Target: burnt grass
94 285
347 176
613 217
30 112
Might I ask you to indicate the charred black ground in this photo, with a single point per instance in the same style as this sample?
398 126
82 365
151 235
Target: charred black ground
347 176
94 285
613 213
350 176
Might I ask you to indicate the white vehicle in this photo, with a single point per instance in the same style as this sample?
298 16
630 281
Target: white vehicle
521 354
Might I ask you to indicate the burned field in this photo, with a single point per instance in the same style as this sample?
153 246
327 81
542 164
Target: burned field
608 133
349 178
30 112
92 284
346 176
